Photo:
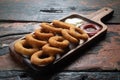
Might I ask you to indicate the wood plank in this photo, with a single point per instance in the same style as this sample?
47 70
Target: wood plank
104 55
47 10
66 75
8 72
17 28
102 51
87 76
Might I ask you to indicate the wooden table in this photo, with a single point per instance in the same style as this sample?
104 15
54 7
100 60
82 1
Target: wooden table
19 17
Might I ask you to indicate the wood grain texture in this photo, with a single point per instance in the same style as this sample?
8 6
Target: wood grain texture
86 76
22 75
14 24
47 10
104 54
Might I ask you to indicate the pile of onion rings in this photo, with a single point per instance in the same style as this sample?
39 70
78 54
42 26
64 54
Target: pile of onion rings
50 40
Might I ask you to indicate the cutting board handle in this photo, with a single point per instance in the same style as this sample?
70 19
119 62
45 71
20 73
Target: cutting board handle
98 15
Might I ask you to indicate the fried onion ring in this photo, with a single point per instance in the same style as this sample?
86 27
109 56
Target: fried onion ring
42 35
67 36
40 58
78 33
51 28
61 24
52 50
34 42
23 48
59 42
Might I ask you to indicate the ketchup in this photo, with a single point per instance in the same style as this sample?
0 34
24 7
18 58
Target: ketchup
90 29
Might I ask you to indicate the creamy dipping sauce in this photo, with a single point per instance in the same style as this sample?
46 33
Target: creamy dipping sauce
75 21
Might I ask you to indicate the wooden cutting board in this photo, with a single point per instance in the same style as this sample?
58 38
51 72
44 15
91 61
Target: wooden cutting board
94 18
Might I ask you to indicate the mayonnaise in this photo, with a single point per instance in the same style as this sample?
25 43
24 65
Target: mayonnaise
75 21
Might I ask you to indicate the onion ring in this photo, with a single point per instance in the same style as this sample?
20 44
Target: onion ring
39 58
34 42
61 24
67 36
23 48
42 35
51 50
51 28
93 27
78 33
59 42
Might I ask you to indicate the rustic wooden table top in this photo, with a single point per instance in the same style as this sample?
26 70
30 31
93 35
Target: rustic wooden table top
19 17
